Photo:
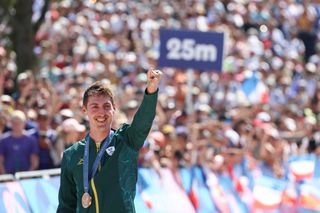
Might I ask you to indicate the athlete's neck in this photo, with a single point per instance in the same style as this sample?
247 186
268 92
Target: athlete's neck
99 136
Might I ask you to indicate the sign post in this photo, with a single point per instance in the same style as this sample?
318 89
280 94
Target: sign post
189 105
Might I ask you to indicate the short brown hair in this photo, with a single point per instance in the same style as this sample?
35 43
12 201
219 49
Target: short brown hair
97 89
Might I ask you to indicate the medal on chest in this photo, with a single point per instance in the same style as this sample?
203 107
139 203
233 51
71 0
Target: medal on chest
86 200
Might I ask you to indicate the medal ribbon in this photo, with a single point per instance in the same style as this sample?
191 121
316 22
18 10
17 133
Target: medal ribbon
96 161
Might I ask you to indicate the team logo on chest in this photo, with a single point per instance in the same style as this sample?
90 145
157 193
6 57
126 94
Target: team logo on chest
80 162
110 150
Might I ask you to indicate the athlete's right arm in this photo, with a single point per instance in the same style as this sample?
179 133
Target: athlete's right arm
67 191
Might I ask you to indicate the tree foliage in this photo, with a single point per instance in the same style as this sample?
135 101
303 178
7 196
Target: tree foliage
16 17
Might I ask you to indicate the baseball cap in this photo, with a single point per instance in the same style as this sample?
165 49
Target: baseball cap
71 124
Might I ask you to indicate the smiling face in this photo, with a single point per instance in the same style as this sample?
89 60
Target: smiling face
100 111
98 105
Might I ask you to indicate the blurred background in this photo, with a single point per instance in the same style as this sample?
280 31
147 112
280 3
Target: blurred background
249 143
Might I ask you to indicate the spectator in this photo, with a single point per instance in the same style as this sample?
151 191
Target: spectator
3 122
18 151
68 132
6 108
47 141
25 86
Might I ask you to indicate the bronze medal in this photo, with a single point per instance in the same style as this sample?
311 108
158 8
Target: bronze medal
86 200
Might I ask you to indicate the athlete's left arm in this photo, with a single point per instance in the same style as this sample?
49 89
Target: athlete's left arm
142 121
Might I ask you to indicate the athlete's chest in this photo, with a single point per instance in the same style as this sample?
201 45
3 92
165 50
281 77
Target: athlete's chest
106 161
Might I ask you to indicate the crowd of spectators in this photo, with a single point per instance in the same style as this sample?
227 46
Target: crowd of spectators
274 43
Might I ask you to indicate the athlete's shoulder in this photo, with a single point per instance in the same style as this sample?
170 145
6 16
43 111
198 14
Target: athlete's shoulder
122 129
74 148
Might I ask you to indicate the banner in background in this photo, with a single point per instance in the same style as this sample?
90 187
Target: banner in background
161 192
309 198
301 167
267 193
165 191
45 189
13 198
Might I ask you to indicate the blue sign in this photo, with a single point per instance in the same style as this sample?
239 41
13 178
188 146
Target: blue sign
191 49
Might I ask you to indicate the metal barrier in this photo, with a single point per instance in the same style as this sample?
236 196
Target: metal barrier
7 178
37 173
